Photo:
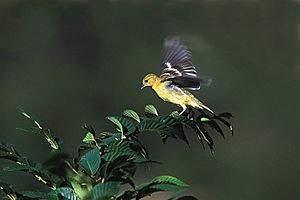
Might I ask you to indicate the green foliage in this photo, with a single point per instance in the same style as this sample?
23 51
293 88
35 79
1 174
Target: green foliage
108 160
90 161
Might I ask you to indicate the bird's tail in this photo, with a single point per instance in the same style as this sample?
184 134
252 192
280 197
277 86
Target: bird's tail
198 104
207 108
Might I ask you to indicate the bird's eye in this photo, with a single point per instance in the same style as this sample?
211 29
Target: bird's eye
146 81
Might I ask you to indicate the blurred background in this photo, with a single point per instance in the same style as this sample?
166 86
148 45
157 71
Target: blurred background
72 62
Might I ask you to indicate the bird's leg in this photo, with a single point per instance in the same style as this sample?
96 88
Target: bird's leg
183 109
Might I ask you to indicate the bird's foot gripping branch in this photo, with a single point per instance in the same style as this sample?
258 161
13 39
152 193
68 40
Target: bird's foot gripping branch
107 160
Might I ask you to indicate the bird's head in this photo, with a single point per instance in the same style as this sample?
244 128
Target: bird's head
149 80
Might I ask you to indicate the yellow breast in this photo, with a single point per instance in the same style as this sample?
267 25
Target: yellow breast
173 94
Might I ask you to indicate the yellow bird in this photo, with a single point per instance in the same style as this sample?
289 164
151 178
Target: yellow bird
177 76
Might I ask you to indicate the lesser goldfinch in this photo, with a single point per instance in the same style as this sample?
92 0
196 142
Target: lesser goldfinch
177 75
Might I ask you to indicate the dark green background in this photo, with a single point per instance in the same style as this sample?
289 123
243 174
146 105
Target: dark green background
72 62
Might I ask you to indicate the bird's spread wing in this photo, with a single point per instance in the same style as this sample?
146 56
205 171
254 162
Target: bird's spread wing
177 65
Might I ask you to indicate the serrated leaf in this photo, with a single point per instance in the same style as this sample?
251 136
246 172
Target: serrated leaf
167 126
128 124
160 183
154 124
131 114
105 191
150 109
175 127
113 138
116 122
90 161
89 138
116 150
67 193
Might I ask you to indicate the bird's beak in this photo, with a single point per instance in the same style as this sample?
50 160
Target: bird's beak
143 87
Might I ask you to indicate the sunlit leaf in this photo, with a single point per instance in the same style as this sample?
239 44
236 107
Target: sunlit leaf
169 180
116 122
81 190
150 109
32 118
89 138
132 114
160 183
204 119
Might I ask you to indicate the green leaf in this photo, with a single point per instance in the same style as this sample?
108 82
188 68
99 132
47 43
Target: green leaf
153 125
131 114
40 130
105 191
51 140
116 122
215 126
160 183
167 126
67 193
128 124
113 138
40 195
150 109
226 123
169 180
81 190
116 150
165 187
30 116
204 119
34 130
90 161
15 168
89 138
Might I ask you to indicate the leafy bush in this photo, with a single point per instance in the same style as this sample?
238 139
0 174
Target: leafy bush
108 160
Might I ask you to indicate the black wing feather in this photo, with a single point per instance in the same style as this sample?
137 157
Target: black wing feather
177 65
